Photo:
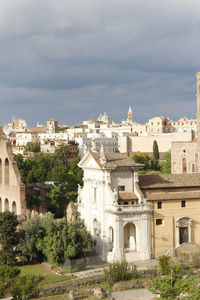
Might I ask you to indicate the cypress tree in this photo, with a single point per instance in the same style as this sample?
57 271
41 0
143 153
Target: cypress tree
155 150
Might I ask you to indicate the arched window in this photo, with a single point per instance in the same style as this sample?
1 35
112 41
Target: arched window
6 205
184 163
130 236
14 207
0 205
7 173
0 170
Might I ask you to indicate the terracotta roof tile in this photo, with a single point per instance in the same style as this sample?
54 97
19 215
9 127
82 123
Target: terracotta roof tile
127 196
114 160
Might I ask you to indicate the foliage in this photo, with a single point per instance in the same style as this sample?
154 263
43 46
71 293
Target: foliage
119 271
142 158
33 147
53 167
24 287
8 237
53 240
156 155
7 276
164 264
64 240
195 260
30 239
170 288
165 164
164 286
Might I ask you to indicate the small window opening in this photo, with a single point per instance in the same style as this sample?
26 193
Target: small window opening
159 205
159 222
183 204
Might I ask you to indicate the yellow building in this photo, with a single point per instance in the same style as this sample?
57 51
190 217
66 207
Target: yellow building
175 203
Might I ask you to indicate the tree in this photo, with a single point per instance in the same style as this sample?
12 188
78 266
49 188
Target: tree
7 276
8 237
155 150
30 239
165 164
142 158
33 147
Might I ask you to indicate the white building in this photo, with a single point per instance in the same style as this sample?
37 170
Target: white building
113 208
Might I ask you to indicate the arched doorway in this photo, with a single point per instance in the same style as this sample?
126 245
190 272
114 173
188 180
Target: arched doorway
6 205
14 207
7 173
130 237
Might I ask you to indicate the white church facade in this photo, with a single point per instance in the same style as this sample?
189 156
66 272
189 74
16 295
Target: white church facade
113 208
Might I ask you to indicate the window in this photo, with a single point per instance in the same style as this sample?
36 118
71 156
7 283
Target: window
159 205
121 188
193 167
183 204
159 222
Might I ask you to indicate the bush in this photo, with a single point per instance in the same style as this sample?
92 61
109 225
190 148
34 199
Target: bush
119 271
7 276
164 286
164 264
24 287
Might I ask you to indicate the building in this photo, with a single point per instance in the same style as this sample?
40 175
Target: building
137 217
111 205
16 196
185 156
133 143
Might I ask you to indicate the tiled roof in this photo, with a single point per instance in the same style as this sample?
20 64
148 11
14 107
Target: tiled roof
127 196
169 180
114 160
149 195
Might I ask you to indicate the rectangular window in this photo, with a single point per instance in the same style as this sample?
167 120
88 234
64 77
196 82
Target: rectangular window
159 222
183 204
159 204
121 188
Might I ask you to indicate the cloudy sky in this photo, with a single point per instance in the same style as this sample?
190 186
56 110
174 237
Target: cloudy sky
74 59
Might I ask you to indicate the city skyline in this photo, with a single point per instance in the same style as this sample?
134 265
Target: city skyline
72 60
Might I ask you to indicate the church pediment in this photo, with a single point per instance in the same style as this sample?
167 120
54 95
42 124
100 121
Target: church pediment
88 161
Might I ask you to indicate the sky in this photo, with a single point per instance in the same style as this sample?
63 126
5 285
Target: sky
73 59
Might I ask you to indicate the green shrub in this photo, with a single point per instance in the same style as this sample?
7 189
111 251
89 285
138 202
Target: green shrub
164 286
119 271
164 264
7 276
25 287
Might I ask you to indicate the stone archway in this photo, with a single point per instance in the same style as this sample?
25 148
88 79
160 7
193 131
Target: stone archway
130 237
14 207
6 171
6 205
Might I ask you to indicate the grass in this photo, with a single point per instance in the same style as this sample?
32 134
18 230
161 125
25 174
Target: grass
48 276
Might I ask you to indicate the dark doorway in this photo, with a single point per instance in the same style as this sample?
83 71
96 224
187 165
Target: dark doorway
183 235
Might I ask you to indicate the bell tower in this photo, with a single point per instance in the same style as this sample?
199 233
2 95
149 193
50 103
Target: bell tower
198 121
130 115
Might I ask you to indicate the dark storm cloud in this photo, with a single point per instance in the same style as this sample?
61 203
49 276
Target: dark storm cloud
72 59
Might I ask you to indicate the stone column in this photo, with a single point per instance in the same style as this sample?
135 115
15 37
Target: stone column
145 233
118 249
